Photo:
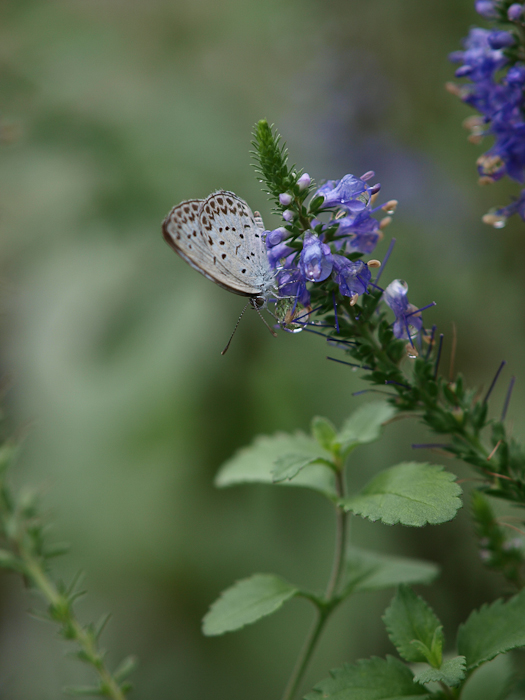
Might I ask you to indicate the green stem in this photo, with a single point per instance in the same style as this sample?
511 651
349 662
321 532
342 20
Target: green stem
76 632
331 600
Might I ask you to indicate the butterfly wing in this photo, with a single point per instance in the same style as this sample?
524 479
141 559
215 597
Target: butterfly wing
220 237
235 235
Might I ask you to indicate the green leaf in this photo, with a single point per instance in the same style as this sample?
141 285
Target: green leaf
324 432
410 493
409 618
256 463
125 668
371 679
370 571
288 466
245 602
364 425
493 630
451 672
10 561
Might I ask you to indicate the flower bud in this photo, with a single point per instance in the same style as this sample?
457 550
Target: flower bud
285 199
288 215
304 181
515 11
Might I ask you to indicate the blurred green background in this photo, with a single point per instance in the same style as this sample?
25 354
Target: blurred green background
112 112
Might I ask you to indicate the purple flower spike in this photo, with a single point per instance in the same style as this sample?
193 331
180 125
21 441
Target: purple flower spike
285 199
395 295
352 277
315 262
486 9
515 11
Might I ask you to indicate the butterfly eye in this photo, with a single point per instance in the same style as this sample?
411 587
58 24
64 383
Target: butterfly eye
258 302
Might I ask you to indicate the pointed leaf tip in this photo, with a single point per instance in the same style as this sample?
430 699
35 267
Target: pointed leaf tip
246 602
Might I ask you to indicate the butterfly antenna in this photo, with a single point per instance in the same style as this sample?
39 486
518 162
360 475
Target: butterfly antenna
265 322
236 326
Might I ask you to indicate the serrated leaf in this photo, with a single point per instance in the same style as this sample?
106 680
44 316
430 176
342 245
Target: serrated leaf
323 431
410 618
370 571
411 493
288 466
451 672
255 464
246 602
371 679
364 425
493 630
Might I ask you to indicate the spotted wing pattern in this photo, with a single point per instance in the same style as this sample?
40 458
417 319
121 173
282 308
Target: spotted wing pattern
221 237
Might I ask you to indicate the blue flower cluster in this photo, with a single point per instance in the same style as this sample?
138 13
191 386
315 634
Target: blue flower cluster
496 91
352 228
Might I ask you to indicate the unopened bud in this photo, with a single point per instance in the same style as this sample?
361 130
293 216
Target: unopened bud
285 199
304 181
288 215
374 263
496 220
485 180
515 11
454 89
390 206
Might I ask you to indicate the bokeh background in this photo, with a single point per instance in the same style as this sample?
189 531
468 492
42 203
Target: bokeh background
112 112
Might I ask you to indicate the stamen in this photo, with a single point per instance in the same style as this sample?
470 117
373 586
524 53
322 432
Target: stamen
408 332
438 358
391 381
335 313
390 206
385 221
453 352
375 391
507 399
385 259
431 342
376 287
491 455
353 301
429 445
502 365
351 364
417 311
374 263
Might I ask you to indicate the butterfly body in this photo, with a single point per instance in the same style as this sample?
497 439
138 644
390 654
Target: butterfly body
223 239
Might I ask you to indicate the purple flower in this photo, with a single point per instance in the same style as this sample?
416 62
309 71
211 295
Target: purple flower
315 262
358 233
395 295
351 193
352 277
499 39
498 217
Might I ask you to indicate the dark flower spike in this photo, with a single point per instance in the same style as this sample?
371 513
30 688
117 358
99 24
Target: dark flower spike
438 358
373 391
385 259
491 387
507 399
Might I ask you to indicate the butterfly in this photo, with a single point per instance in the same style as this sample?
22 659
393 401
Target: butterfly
224 240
